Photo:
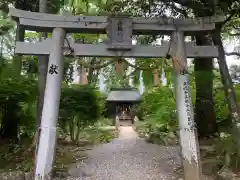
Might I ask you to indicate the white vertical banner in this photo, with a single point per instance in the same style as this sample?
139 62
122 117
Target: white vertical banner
101 81
141 84
163 78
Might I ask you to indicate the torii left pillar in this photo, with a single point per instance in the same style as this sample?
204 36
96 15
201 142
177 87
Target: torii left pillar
47 142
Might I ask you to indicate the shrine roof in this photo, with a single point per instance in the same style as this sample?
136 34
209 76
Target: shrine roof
124 95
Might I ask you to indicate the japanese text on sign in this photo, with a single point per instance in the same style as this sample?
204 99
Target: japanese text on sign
119 31
187 104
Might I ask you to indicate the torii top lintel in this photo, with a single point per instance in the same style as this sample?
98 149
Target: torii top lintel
98 24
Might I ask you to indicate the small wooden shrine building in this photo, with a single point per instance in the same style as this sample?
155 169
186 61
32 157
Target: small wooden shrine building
122 102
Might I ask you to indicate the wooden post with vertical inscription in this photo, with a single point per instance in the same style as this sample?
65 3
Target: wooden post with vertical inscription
188 133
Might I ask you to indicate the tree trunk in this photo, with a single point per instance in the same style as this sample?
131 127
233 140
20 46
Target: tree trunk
155 77
83 79
71 128
10 121
17 62
78 133
42 75
228 86
204 105
119 67
1 48
91 70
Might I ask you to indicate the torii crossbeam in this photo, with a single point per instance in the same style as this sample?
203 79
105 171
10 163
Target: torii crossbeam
98 24
101 50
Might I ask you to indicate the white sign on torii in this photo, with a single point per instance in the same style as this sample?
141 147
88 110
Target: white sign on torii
120 31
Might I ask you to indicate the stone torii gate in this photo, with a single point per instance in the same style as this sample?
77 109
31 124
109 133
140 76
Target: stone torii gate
119 44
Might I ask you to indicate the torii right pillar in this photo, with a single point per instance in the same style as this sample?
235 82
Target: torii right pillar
188 133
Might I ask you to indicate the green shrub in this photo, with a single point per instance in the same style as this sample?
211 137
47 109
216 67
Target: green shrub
17 97
80 100
159 123
103 122
227 150
159 118
79 108
221 107
102 102
225 145
96 135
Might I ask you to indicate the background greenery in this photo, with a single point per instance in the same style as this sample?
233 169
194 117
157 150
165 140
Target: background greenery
82 106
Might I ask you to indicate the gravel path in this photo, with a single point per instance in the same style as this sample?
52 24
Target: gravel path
128 158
